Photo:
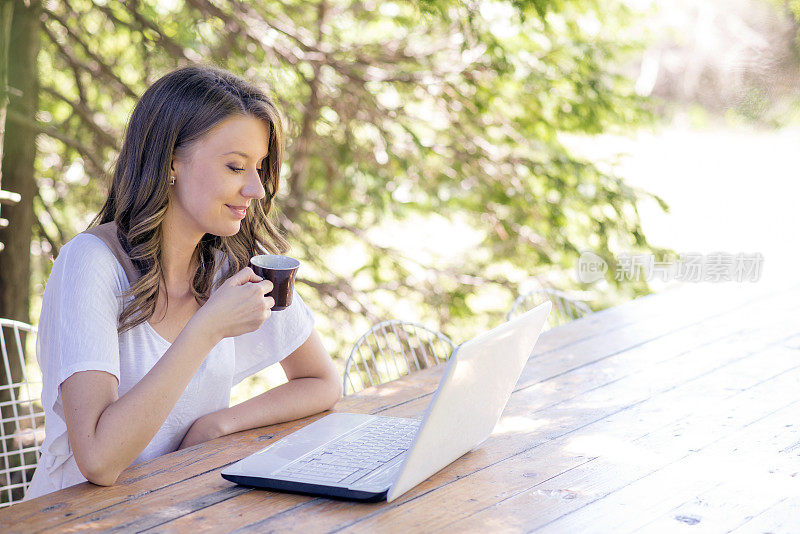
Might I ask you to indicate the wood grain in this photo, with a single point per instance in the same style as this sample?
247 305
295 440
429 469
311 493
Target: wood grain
339 514
611 428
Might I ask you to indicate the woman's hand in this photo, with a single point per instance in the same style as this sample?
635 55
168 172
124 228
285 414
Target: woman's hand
202 430
238 306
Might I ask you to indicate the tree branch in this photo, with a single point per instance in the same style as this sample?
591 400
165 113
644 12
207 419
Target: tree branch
105 137
44 233
244 27
85 151
62 236
100 68
395 255
342 292
173 48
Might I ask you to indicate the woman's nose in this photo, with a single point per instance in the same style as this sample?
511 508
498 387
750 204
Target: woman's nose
254 188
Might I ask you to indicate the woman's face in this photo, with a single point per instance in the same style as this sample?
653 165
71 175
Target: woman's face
217 171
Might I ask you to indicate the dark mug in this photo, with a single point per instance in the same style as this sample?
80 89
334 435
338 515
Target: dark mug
280 270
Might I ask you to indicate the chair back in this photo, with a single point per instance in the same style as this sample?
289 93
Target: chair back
391 349
22 429
565 308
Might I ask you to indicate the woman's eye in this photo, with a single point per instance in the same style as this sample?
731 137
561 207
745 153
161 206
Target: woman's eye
235 169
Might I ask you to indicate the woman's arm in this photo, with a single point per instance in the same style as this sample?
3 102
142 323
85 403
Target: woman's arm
314 386
107 433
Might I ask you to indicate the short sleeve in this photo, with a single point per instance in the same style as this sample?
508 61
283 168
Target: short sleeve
277 337
88 310
77 331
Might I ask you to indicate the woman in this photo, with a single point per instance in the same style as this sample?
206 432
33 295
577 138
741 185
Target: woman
150 318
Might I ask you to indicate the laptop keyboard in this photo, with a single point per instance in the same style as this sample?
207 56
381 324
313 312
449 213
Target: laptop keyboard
356 454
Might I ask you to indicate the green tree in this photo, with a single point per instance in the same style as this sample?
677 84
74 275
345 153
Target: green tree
396 112
17 176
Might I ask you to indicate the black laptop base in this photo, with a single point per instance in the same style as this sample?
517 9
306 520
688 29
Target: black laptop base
304 488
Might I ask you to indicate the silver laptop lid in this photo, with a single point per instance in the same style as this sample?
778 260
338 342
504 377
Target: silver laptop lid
475 388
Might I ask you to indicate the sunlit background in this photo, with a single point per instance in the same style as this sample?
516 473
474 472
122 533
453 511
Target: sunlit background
720 79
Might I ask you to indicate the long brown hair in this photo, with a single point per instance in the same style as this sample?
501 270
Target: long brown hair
177 110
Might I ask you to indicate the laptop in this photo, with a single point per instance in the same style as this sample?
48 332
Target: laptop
371 458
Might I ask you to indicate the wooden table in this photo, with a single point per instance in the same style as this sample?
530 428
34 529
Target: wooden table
674 412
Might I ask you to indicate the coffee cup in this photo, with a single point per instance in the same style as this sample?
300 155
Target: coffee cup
280 270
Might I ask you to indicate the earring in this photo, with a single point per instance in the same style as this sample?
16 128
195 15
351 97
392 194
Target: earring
172 182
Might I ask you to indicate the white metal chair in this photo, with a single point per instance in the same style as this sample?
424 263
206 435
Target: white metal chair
391 349
22 422
565 308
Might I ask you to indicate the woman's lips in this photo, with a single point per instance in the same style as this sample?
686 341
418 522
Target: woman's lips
238 212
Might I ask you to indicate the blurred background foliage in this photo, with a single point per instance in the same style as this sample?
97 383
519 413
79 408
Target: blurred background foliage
424 177
399 116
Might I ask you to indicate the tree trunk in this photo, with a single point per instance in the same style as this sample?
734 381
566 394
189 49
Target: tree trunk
17 170
6 13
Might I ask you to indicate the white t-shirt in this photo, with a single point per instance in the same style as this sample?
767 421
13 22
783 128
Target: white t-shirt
77 331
